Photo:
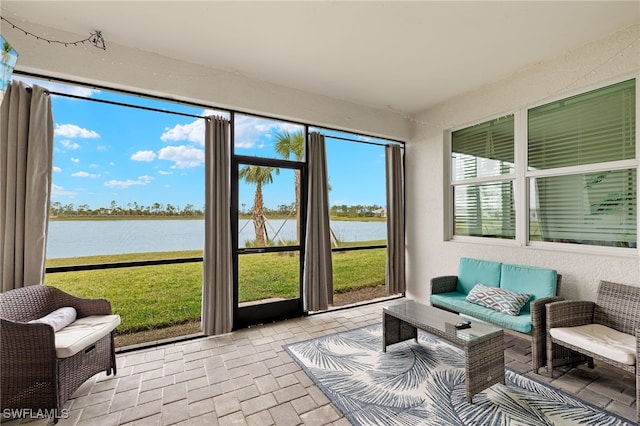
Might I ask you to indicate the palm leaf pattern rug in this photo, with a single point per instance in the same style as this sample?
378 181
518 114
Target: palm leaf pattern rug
423 384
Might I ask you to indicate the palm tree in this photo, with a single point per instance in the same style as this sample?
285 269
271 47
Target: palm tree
288 144
258 175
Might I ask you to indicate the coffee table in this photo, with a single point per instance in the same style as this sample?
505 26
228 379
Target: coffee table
483 343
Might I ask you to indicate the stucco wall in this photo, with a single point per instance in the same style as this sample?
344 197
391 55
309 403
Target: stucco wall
428 253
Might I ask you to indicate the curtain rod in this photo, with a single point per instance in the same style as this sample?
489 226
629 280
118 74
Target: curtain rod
365 142
160 98
192 115
67 95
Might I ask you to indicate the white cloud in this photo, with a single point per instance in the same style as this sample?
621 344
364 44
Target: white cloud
248 130
59 191
85 175
162 172
144 156
184 157
75 160
142 180
73 131
69 145
56 169
192 132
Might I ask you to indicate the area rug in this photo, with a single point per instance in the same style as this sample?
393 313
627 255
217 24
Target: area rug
423 384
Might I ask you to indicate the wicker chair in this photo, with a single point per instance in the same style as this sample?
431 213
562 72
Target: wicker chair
617 306
32 377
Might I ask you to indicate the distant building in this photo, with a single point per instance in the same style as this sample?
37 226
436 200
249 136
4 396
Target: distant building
380 213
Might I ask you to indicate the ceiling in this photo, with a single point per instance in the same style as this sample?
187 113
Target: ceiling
392 55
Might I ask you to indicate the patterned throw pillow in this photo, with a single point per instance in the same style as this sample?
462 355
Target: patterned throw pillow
505 301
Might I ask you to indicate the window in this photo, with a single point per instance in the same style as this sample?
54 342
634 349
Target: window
583 190
482 172
580 171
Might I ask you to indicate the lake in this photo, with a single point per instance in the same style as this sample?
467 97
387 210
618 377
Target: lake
74 238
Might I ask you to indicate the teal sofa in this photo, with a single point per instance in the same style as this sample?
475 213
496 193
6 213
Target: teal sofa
543 284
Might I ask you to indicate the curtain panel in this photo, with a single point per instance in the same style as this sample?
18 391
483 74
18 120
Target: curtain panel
217 285
318 268
395 268
26 158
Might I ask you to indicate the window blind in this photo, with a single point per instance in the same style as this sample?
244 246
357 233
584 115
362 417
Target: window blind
485 210
593 127
483 150
590 208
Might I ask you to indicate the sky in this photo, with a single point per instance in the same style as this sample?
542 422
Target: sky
105 153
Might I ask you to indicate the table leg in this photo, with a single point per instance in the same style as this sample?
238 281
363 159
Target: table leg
395 330
484 364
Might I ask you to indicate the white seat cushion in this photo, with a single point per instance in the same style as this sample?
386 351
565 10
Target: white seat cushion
83 332
601 340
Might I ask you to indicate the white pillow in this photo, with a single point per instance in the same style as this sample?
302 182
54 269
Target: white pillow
58 319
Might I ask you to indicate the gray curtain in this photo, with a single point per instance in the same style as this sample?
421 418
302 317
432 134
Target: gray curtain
395 275
26 156
318 270
217 294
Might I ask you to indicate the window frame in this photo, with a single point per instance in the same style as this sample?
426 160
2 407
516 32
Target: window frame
523 176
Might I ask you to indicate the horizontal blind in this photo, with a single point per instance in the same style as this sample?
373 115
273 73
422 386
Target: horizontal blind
593 127
590 208
483 150
485 210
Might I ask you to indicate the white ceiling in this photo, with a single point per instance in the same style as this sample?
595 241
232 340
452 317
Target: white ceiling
402 56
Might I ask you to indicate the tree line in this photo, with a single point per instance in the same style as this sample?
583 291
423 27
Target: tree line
57 209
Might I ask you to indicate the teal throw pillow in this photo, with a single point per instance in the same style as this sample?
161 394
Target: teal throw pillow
498 299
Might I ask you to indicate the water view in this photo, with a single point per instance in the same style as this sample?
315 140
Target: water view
76 238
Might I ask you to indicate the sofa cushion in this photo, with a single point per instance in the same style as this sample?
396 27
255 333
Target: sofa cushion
539 282
83 332
601 340
456 302
58 319
473 271
498 299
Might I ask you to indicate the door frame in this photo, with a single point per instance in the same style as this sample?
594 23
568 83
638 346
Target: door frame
262 313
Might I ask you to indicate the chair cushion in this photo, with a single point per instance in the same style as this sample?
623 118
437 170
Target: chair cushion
58 319
83 332
473 271
498 299
538 282
601 340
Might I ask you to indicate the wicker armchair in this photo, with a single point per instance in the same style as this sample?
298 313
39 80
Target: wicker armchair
617 306
32 377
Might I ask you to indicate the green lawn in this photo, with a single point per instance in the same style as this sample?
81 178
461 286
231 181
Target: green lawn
149 297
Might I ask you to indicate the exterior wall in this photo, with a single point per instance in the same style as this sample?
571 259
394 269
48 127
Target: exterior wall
143 72
428 253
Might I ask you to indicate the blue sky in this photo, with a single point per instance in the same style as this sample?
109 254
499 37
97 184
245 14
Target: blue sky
105 153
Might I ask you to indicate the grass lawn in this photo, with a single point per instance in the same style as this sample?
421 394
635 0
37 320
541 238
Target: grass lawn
150 297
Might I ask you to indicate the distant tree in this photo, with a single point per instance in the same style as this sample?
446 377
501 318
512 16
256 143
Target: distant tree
258 175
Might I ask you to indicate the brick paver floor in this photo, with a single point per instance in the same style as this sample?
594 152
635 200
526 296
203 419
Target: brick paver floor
246 378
